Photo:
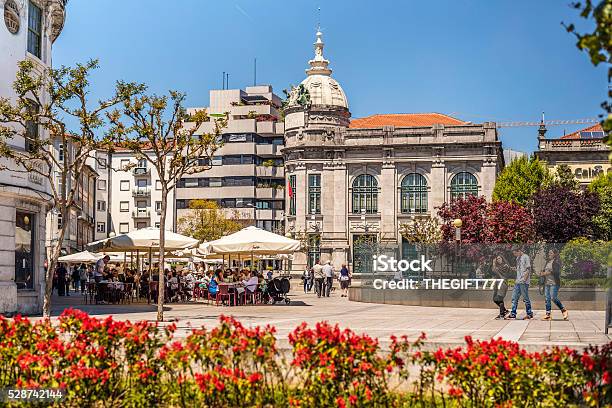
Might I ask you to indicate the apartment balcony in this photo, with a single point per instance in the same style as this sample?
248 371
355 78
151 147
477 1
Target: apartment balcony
263 192
272 171
269 149
141 171
140 213
141 192
254 111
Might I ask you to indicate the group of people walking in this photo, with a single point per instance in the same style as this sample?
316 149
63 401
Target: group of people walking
321 276
550 278
77 277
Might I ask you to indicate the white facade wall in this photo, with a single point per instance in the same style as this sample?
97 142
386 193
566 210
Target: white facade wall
22 193
134 196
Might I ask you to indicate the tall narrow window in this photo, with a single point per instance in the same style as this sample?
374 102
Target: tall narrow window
24 250
291 194
314 249
414 194
314 193
31 127
463 184
34 29
365 194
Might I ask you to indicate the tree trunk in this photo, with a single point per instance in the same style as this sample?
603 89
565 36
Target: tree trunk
162 244
51 265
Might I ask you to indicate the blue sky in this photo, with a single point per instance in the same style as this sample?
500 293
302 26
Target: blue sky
503 60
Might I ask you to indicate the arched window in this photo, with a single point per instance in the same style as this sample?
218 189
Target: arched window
414 194
365 194
463 184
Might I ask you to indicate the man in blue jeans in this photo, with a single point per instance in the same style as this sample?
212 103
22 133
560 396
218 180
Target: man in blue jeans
521 286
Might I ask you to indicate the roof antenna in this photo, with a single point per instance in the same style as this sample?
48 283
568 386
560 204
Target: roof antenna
319 19
255 72
542 116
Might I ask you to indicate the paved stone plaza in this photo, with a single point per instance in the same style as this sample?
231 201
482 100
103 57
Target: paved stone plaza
443 326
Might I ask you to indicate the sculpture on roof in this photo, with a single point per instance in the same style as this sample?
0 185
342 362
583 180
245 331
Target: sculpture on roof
298 96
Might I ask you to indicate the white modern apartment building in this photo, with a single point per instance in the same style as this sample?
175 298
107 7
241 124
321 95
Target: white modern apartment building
129 195
247 173
28 31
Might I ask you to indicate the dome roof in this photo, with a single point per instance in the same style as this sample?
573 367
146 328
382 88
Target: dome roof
322 88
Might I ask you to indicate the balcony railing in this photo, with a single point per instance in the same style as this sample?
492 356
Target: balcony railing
141 213
141 192
141 171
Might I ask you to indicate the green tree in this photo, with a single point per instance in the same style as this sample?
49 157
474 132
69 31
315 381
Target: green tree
520 180
422 230
158 129
52 107
563 177
207 222
602 185
598 44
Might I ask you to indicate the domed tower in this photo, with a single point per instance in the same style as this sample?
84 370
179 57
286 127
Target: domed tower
316 118
317 105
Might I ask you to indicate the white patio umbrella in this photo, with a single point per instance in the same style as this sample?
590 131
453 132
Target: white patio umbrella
80 257
143 239
253 240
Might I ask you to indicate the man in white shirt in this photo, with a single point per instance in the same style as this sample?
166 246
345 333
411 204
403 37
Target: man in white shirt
100 265
251 284
328 271
521 285
319 278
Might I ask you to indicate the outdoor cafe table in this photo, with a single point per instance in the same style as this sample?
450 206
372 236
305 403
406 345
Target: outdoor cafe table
111 292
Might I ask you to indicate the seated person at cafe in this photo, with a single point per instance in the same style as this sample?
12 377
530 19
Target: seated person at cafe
213 286
251 283
173 286
188 281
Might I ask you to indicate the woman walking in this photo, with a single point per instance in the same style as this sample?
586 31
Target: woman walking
552 283
305 278
501 270
345 280
82 277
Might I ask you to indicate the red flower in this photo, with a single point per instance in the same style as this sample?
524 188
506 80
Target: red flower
255 377
588 362
353 399
340 402
219 385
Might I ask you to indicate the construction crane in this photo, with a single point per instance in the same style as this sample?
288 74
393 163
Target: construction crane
548 123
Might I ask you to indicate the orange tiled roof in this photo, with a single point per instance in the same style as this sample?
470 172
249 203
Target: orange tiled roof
404 120
576 134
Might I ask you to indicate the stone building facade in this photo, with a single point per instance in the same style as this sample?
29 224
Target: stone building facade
356 181
27 33
584 151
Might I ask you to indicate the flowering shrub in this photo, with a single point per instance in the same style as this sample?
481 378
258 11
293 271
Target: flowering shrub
103 362
339 365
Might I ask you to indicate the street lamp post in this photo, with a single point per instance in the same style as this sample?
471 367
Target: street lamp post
458 223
